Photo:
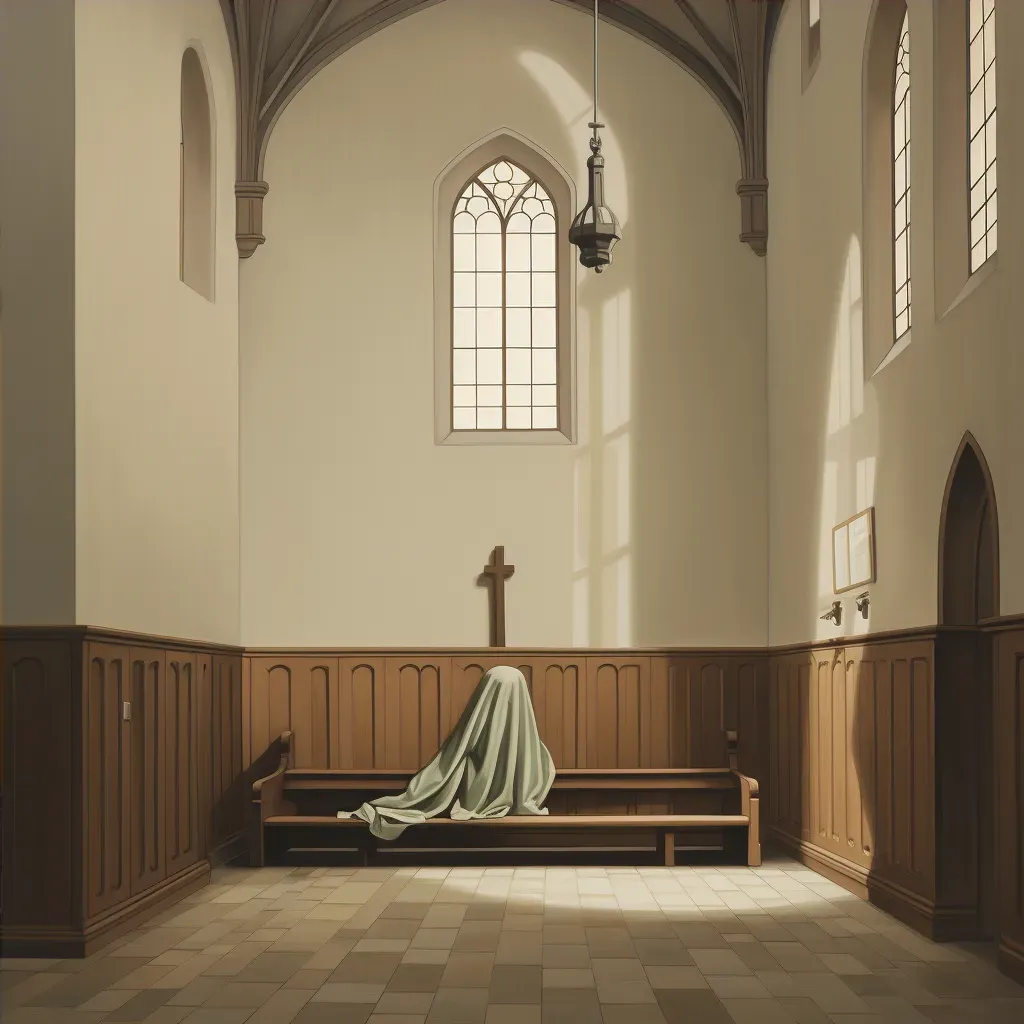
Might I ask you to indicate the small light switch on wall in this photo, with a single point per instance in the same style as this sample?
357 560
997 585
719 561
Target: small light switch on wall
126 712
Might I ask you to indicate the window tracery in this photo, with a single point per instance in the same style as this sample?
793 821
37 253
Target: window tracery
505 303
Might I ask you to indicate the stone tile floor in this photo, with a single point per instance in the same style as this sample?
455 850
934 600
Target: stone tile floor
774 945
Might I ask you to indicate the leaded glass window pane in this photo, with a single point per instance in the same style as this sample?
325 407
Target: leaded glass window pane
901 183
504 303
981 128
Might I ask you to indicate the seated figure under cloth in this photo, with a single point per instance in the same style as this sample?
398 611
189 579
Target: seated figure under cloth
492 764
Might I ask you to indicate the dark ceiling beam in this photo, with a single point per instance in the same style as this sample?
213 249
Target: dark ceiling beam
713 43
737 83
638 24
297 49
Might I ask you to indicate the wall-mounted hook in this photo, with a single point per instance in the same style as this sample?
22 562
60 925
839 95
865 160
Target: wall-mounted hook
835 613
862 604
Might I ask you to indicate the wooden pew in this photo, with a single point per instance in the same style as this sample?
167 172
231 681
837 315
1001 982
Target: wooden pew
590 809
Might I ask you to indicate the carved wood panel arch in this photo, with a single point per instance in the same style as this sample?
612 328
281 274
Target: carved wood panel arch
277 48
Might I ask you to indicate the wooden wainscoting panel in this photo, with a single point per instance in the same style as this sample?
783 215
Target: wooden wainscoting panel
359 679
1009 701
747 714
611 706
181 759
148 728
42 799
121 749
412 705
227 797
709 695
108 776
789 725
270 686
905 778
852 772
204 750
617 709
298 693
556 686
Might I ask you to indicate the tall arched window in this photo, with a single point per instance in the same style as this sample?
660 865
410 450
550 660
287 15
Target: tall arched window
504 297
901 183
504 303
196 218
981 128
811 39
886 248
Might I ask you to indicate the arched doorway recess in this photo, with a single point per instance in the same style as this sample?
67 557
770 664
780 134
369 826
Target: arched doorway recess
968 590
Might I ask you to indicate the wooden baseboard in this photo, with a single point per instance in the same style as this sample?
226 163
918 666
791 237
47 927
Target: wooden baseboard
955 924
1011 959
61 943
912 909
229 850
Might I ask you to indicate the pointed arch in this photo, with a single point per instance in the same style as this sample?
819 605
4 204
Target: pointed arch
965 779
968 561
965 189
197 204
460 353
981 132
887 180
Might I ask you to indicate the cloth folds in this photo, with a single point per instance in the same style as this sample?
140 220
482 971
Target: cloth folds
492 764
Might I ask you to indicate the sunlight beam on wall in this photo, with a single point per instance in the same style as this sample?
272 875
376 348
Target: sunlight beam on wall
575 105
846 393
848 477
616 355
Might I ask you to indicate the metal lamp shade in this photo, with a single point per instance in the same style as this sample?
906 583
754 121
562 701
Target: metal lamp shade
595 229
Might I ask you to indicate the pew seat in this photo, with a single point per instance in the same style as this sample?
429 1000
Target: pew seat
645 812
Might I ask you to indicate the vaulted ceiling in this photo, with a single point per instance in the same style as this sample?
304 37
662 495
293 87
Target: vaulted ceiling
279 45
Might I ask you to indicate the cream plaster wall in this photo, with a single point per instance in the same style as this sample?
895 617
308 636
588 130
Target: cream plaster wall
156 373
37 313
839 442
356 528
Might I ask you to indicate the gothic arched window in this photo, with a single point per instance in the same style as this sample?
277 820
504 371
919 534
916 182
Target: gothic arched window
901 183
981 129
505 297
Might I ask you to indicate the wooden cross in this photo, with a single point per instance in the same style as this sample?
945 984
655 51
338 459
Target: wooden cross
494 576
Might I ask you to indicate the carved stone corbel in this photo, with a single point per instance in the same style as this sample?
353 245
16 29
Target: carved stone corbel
753 26
249 216
753 193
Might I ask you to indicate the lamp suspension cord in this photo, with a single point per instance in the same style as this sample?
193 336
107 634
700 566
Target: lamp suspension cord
595 124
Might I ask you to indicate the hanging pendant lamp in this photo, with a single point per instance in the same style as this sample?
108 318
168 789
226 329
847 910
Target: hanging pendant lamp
595 229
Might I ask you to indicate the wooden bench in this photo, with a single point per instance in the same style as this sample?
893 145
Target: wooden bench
294 813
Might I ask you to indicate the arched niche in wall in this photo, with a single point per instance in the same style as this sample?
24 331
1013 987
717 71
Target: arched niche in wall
965 847
197 218
968 541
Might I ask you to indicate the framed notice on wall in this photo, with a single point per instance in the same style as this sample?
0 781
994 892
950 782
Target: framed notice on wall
853 552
